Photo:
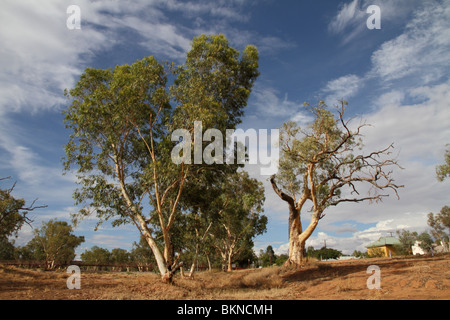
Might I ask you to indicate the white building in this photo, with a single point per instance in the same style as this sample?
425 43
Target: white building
416 249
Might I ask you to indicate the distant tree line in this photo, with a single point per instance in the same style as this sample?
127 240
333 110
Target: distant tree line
323 253
55 244
225 237
268 257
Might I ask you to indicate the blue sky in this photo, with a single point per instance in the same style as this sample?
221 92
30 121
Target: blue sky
395 78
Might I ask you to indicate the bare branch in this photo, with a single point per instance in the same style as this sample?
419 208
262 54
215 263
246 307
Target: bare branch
280 193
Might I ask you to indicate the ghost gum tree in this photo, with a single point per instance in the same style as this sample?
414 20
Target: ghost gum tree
121 121
238 216
322 165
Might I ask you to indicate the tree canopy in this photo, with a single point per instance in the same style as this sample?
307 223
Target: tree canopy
55 243
121 121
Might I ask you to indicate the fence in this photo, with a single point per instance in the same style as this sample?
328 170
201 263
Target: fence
83 265
88 266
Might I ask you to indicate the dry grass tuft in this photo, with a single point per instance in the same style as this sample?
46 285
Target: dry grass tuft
267 278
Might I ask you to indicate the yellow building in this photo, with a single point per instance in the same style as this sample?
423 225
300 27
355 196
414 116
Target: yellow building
383 247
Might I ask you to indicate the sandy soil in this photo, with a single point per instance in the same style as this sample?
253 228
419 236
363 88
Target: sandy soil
407 278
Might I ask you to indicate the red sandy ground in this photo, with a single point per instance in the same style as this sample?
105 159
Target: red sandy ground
402 278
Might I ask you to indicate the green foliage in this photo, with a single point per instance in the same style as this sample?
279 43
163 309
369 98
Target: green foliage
439 223
237 214
11 217
426 241
120 255
443 170
407 240
110 109
323 253
141 253
96 255
55 243
359 254
267 258
7 250
214 84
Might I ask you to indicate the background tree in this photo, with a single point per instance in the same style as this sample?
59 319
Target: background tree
13 212
281 259
121 142
119 255
7 250
438 223
359 254
194 241
267 257
443 170
319 164
407 240
238 217
425 241
55 243
96 255
246 255
324 253
142 254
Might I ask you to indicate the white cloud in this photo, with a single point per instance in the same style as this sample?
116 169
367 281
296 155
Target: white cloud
161 38
110 240
350 20
419 130
344 87
41 57
269 103
229 10
422 51
347 15
360 239
419 56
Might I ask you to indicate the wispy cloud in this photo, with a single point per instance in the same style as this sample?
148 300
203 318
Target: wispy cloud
419 56
229 10
41 57
422 51
344 87
347 15
276 105
350 19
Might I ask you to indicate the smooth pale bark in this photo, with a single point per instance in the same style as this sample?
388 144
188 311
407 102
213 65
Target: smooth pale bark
166 274
229 264
197 249
297 237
